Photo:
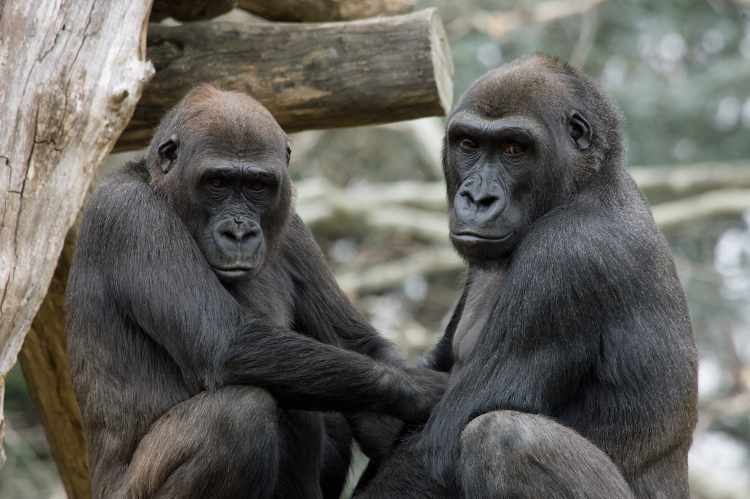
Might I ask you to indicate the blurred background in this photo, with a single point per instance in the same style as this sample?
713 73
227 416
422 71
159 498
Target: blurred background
680 72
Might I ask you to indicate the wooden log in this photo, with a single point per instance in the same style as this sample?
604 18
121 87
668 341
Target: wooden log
45 366
193 10
71 72
325 10
309 76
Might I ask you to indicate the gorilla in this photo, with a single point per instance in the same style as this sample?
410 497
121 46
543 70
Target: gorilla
572 362
212 353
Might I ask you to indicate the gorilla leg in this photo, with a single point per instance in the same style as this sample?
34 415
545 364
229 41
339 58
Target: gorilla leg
222 444
507 454
301 454
337 455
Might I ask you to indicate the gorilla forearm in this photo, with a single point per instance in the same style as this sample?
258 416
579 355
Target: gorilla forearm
305 374
322 309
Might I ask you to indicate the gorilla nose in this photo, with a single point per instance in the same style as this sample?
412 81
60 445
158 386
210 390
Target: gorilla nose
240 230
238 239
479 200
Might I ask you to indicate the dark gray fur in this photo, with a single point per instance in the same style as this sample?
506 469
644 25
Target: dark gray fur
577 376
205 331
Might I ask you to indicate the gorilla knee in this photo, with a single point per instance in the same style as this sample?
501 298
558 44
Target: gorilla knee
514 454
212 444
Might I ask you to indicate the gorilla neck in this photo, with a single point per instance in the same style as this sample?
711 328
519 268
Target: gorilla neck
479 304
268 295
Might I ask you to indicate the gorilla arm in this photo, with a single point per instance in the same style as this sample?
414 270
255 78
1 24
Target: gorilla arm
158 277
322 310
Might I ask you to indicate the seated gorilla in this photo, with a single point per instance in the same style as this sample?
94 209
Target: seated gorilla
571 354
204 327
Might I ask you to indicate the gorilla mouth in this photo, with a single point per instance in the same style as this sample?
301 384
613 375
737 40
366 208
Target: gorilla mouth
472 237
232 273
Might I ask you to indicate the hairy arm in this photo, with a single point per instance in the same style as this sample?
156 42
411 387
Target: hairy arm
137 250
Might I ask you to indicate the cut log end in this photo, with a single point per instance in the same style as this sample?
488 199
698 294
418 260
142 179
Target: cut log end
442 63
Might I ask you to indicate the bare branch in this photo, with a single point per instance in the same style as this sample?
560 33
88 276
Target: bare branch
660 181
387 275
707 205
498 24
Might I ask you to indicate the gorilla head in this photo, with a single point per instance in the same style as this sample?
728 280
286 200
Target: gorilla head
519 143
221 161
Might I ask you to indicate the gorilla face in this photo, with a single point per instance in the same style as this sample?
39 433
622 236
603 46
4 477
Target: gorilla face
231 186
236 195
506 163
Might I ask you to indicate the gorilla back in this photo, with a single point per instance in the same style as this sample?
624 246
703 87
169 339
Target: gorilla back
205 329
573 368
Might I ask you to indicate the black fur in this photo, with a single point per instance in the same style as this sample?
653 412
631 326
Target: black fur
205 329
573 368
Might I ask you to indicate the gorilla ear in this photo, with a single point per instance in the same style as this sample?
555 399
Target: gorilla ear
579 130
168 153
288 153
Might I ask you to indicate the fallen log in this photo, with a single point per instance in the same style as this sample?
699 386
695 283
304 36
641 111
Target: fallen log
325 10
309 76
193 10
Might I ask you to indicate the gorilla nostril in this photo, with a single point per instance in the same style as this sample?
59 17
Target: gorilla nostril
486 200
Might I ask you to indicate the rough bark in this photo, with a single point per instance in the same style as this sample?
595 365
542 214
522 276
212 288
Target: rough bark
325 10
45 367
310 76
71 72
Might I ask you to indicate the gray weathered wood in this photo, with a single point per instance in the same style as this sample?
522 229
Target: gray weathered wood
309 76
325 10
71 72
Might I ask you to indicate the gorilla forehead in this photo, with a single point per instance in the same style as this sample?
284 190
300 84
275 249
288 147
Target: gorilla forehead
536 85
227 121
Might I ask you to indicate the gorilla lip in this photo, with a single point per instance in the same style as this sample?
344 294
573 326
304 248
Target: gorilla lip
233 272
471 237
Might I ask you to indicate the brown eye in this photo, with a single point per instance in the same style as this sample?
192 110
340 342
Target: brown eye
469 144
513 149
257 186
216 183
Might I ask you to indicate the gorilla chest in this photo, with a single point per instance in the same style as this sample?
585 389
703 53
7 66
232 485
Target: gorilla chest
477 309
268 297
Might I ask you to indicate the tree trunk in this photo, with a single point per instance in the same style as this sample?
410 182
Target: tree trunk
325 10
71 72
45 367
309 76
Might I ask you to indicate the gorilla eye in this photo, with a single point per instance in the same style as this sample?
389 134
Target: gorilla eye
469 144
216 183
514 149
257 186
